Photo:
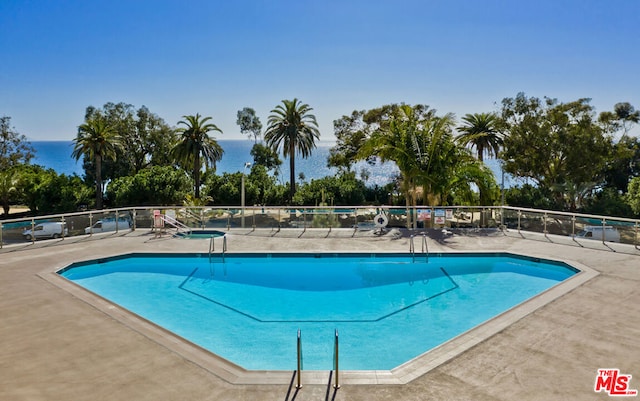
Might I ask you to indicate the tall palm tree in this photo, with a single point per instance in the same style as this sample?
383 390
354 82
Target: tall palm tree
293 129
195 146
480 131
97 141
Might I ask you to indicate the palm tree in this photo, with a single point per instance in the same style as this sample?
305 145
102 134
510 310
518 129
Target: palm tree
196 146
423 148
413 140
293 129
97 141
480 132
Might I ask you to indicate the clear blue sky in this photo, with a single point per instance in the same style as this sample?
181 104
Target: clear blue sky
215 57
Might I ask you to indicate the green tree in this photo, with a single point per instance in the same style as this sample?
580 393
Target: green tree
46 192
249 123
61 193
292 129
341 189
8 190
265 156
557 145
351 133
608 202
15 151
156 185
146 140
432 166
225 189
96 141
623 116
623 164
633 195
479 132
196 146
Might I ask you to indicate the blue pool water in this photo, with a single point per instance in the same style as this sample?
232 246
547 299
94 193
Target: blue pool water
387 308
200 234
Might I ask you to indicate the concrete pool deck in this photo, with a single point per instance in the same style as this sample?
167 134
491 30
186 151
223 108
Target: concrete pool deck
56 346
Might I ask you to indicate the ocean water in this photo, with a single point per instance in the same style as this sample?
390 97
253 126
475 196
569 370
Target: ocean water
57 155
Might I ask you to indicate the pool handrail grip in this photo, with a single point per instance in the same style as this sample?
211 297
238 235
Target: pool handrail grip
412 249
212 246
299 358
336 385
425 247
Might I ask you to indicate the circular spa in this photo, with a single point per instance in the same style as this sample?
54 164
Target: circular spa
387 308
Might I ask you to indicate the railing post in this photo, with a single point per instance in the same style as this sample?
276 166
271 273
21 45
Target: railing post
355 220
254 219
33 231
519 216
1 235
304 220
544 216
64 225
90 223
604 223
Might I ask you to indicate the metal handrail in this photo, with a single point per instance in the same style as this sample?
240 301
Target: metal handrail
212 246
425 247
412 249
175 223
224 246
299 358
336 385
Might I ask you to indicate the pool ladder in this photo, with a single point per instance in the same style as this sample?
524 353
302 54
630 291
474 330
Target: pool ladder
336 384
212 246
425 248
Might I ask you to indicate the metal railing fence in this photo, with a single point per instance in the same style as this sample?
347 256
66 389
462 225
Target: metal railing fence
358 218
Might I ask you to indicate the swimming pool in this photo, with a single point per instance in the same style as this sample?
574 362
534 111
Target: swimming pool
388 308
